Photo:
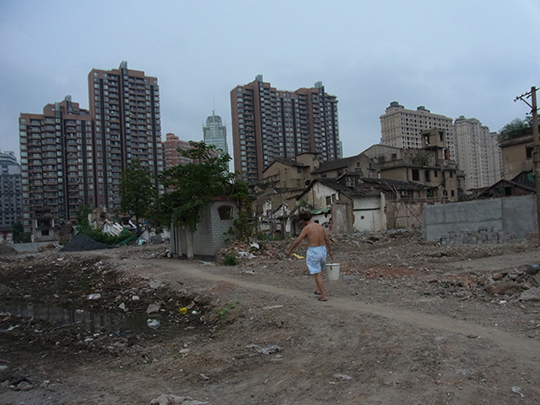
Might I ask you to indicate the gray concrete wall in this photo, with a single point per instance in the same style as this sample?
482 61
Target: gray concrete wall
212 231
513 215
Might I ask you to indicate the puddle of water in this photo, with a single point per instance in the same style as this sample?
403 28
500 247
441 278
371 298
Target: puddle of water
92 322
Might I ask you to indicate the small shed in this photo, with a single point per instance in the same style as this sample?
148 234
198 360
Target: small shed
211 234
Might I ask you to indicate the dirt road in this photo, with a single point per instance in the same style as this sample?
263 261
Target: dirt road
406 326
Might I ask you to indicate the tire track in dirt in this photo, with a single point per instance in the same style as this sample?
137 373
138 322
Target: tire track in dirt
525 349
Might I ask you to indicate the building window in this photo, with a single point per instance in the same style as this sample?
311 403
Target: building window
415 175
225 212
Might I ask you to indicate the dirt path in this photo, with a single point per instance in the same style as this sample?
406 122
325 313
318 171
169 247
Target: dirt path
524 349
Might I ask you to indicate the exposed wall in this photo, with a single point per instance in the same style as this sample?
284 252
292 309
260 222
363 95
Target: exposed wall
514 215
404 214
514 156
368 213
341 218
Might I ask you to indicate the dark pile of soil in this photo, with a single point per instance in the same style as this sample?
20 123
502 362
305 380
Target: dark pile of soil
83 242
7 250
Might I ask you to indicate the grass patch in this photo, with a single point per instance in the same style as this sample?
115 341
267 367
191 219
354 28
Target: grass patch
224 311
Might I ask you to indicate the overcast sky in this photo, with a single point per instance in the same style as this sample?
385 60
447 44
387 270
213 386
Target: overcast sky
459 57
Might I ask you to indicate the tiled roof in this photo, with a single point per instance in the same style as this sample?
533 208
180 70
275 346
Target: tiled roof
335 164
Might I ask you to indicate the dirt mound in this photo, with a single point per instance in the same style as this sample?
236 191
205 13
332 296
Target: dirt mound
7 250
84 242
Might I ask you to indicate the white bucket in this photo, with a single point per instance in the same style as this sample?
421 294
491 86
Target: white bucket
332 271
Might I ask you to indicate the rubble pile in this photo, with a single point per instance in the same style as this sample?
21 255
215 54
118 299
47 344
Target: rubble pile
521 284
91 286
251 250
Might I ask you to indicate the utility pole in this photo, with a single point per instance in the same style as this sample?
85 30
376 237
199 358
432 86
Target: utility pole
536 150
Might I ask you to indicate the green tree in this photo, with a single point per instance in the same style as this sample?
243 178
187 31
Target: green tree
19 235
190 187
81 216
515 128
243 226
138 192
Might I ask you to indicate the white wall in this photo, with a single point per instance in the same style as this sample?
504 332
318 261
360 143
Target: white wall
369 214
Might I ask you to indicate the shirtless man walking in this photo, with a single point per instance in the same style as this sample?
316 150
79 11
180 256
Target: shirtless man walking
319 246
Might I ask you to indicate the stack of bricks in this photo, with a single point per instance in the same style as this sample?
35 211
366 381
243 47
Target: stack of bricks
476 237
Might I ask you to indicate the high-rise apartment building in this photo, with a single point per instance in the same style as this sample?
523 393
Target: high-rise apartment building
215 133
71 156
478 153
171 155
269 123
402 128
10 190
57 161
125 106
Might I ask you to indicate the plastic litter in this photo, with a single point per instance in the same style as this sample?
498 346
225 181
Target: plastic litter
153 323
517 390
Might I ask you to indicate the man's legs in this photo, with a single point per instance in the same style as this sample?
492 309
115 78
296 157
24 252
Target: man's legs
320 286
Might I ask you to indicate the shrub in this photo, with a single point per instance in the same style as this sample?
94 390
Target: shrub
230 260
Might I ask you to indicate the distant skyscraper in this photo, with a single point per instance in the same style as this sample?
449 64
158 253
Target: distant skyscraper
125 105
57 161
478 153
402 128
215 133
10 190
171 156
269 123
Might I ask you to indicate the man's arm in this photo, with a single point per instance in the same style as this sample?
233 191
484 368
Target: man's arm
328 245
302 235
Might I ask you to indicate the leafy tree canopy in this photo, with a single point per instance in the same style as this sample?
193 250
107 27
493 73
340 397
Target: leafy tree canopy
81 216
138 192
19 236
190 187
515 128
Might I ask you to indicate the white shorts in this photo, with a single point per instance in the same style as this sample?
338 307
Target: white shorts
316 259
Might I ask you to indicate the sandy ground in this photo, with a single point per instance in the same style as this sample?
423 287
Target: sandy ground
408 322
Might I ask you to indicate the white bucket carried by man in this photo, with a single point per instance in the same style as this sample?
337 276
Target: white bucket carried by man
332 271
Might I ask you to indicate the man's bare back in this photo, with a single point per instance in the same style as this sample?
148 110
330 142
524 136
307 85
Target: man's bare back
315 234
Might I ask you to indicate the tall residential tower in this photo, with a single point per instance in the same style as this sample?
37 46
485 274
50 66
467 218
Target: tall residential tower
125 107
402 128
478 153
10 190
57 162
269 123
